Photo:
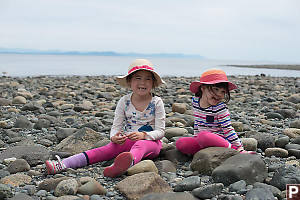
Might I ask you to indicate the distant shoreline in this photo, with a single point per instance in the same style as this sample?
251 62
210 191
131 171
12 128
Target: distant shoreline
98 53
270 66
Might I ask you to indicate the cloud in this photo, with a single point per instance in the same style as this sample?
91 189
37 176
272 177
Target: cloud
233 29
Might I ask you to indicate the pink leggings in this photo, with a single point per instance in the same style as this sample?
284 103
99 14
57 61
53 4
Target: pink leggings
204 139
139 149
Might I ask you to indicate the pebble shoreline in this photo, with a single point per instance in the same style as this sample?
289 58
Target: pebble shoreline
44 116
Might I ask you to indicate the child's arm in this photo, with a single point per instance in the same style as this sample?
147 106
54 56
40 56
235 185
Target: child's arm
159 126
224 121
119 118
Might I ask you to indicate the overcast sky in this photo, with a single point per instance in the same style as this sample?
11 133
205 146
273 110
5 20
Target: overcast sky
267 30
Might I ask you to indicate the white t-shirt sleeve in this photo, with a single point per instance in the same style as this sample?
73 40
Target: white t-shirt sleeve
119 118
160 118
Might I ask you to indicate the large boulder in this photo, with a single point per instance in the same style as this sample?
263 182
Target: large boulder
287 174
247 167
82 140
206 160
169 195
34 155
136 186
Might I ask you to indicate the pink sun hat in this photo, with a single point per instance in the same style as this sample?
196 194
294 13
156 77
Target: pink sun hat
140 64
210 77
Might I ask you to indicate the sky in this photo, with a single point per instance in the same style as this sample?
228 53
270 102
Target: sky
260 30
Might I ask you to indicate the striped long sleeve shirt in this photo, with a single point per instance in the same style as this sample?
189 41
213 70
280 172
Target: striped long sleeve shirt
215 119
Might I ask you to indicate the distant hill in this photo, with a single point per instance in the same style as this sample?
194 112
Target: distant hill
96 53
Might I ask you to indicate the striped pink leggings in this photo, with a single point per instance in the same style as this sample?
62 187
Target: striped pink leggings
191 145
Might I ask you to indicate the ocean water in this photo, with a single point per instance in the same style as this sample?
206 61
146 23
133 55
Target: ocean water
67 65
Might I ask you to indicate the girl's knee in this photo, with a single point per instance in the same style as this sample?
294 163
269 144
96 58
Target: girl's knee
141 144
187 145
182 145
205 134
147 146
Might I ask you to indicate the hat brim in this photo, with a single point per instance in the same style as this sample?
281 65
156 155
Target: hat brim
123 81
194 86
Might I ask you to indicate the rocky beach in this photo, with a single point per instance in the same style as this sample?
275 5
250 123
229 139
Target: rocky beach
46 116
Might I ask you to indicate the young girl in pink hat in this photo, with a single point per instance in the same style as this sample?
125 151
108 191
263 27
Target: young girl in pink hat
212 125
138 126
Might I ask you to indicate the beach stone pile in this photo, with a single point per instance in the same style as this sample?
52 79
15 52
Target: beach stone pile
46 116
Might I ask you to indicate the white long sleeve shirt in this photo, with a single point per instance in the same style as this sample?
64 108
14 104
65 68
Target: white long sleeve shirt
151 120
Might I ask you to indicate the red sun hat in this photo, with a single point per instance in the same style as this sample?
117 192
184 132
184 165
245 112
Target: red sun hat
210 77
140 64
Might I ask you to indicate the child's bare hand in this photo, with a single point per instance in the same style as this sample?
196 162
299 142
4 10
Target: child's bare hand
118 138
136 136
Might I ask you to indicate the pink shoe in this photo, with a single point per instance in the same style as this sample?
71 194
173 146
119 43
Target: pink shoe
121 164
54 167
249 152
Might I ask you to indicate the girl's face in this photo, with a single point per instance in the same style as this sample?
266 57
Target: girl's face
212 95
141 82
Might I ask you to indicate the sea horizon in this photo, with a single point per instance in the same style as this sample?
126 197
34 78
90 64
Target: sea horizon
97 65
